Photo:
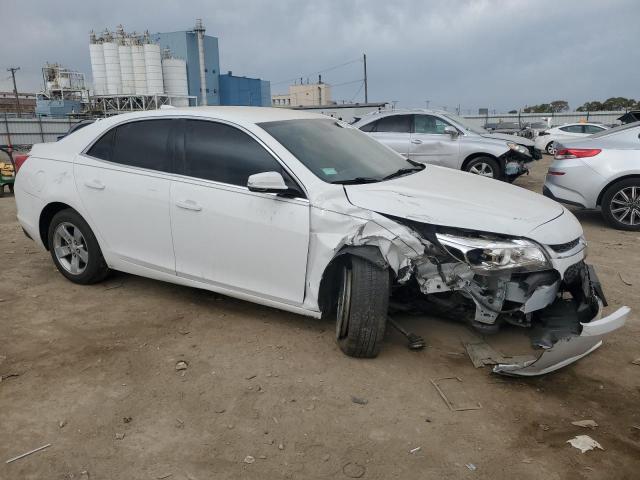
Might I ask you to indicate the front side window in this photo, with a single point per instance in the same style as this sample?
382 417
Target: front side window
142 144
429 124
222 153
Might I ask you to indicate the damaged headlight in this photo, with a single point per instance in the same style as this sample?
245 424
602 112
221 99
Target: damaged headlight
519 148
487 254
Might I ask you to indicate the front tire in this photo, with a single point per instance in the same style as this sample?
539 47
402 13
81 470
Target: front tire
621 205
363 304
550 149
74 248
484 166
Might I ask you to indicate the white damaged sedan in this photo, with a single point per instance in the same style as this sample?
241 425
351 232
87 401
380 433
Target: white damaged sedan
304 213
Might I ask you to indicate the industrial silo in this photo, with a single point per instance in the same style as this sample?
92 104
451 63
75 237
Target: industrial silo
112 65
98 70
126 68
139 72
153 68
174 73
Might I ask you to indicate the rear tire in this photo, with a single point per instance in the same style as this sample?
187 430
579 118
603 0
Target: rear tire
621 205
363 304
484 166
74 248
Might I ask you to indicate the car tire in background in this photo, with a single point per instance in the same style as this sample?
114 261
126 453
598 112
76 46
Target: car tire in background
621 204
550 149
363 303
484 166
74 248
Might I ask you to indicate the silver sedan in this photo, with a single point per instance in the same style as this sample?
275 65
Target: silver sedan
600 171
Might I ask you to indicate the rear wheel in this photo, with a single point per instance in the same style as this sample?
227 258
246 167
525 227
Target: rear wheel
363 303
621 205
484 166
74 248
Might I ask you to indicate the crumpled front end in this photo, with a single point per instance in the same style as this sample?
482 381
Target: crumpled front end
558 300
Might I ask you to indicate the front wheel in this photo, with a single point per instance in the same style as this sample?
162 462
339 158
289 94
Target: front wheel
363 304
484 166
551 148
74 248
621 205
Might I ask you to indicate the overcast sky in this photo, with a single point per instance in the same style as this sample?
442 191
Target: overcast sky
476 53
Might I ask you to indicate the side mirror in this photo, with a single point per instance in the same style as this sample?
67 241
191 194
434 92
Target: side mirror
269 182
451 131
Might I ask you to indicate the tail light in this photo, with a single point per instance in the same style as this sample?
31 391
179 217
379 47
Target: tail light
565 153
18 160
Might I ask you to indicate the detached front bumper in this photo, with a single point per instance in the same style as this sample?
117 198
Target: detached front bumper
564 335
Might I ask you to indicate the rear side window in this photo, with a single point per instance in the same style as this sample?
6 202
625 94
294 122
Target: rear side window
143 144
103 148
394 123
219 152
572 129
592 129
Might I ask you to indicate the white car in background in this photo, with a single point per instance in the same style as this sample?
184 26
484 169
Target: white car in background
600 171
545 139
301 212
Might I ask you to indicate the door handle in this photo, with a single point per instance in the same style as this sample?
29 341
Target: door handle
416 141
189 205
95 184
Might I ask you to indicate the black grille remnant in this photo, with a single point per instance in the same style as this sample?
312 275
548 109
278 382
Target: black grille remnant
565 247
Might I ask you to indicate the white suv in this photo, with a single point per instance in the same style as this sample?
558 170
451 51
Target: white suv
301 212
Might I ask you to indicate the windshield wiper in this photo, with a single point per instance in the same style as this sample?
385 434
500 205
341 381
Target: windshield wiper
405 171
356 181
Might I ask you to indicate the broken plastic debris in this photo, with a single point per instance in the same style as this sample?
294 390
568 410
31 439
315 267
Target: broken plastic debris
414 450
584 443
585 423
471 466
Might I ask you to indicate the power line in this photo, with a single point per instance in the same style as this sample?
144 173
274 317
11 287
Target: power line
344 83
335 67
359 90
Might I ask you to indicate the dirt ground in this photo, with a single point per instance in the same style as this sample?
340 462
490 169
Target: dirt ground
97 379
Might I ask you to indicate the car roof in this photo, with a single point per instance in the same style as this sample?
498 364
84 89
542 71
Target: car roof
369 117
235 114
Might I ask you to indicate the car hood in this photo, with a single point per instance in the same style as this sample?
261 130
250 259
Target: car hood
510 138
446 197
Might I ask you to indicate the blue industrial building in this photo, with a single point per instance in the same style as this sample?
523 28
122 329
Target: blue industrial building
220 89
185 45
244 91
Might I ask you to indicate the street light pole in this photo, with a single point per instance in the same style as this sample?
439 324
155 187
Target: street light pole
13 71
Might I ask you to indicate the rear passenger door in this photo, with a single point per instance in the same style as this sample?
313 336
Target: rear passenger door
123 181
393 130
227 236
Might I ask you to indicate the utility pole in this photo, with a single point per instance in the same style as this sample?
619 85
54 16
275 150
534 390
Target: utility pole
427 103
366 86
13 71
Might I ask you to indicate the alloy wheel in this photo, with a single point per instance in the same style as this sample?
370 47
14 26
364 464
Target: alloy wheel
483 169
70 248
625 206
551 149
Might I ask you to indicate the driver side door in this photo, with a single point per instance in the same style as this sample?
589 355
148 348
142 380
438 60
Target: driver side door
430 143
227 236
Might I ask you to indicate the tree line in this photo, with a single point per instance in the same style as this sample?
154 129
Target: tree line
610 104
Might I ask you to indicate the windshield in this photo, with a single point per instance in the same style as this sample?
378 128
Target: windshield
338 153
466 124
